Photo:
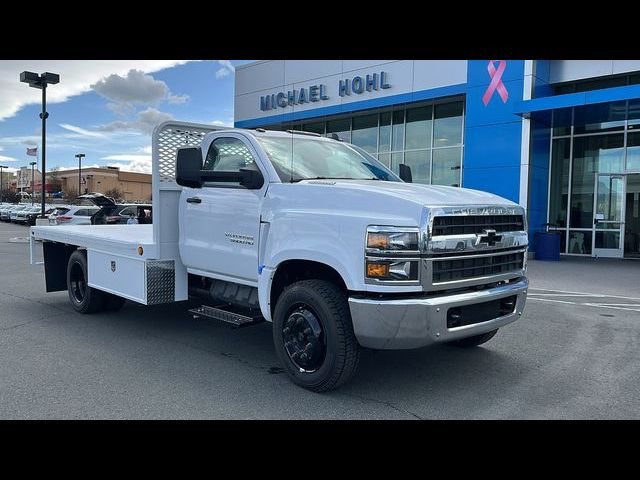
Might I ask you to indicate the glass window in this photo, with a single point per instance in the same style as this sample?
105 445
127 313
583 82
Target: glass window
446 166
365 132
317 127
296 159
385 158
558 194
447 129
341 127
385 132
398 131
600 83
602 153
633 151
418 134
579 242
227 154
396 159
562 122
633 114
420 163
600 117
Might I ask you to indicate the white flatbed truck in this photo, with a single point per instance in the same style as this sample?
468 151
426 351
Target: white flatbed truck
309 233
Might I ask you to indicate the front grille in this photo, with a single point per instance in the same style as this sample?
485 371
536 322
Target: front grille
463 224
473 267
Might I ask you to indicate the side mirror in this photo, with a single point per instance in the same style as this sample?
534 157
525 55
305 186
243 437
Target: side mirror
251 178
189 166
405 173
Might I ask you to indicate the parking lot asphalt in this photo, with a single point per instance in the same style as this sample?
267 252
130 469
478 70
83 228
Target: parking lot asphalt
572 355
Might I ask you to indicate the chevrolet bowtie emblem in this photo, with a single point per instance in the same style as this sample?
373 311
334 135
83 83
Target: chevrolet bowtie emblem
489 237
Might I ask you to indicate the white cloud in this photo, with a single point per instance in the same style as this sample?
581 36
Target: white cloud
76 77
136 87
226 68
7 159
178 99
146 122
127 158
136 163
82 131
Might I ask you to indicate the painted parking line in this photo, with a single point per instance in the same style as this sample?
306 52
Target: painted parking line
595 300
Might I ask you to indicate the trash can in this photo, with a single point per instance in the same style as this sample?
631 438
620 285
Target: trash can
548 243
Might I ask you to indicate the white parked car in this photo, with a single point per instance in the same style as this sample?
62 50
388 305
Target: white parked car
72 215
13 213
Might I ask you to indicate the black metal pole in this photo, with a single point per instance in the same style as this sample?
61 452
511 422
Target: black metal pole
33 183
79 174
1 175
44 116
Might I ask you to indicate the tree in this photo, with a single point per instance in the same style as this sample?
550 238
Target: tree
114 193
10 196
71 195
53 180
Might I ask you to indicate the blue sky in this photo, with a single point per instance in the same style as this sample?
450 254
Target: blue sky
106 109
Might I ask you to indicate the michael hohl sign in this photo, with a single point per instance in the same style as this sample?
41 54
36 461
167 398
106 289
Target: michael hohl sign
316 93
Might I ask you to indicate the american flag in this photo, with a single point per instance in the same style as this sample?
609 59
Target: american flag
33 152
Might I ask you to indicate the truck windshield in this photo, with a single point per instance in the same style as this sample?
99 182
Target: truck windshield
296 159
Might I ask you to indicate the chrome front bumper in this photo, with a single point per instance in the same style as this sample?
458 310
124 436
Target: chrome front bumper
416 322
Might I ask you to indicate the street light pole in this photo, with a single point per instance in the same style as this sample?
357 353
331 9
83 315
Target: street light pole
33 182
79 157
41 81
1 179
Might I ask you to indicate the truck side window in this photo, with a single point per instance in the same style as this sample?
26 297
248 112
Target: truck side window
227 155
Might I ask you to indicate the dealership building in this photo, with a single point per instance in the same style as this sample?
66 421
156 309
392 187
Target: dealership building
560 137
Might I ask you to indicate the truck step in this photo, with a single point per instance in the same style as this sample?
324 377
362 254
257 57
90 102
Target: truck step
219 313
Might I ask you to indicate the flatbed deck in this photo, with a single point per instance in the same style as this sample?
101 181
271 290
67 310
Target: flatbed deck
117 239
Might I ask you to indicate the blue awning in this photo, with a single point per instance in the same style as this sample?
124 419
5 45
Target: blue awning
525 108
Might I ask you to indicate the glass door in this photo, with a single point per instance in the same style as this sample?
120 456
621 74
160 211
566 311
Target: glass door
608 216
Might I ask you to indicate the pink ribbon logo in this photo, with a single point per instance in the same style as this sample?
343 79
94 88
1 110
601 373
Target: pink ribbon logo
496 82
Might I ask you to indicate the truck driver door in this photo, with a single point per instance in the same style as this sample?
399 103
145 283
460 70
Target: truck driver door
220 222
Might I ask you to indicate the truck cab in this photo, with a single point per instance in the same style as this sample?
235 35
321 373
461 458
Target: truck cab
315 236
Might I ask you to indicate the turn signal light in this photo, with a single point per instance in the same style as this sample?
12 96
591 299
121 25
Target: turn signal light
377 269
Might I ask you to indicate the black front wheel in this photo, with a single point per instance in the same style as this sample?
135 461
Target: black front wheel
313 335
84 299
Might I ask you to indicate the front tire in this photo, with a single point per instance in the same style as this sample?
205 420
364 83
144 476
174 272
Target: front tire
84 299
313 335
475 340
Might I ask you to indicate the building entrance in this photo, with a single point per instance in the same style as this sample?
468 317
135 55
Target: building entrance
632 217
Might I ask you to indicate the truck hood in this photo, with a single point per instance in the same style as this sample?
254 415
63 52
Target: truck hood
423 195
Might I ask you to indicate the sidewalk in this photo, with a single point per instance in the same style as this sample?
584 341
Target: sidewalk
587 275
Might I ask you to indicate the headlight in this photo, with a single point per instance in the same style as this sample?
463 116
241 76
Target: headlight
392 240
392 254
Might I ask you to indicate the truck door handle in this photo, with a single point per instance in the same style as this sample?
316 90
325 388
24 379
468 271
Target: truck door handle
194 200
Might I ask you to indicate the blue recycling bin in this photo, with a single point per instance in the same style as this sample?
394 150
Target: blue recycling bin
548 245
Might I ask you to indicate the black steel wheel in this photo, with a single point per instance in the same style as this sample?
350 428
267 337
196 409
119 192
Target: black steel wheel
84 299
313 335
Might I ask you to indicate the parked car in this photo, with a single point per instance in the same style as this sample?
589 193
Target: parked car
28 216
13 213
4 211
112 213
72 215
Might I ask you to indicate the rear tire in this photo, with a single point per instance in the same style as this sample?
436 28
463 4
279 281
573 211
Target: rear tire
83 298
313 335
475 340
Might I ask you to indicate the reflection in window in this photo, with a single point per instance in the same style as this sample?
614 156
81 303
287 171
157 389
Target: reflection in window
599 117
446 166
447 129
418 134
602 153
365 132
420 163
341 128
398 130
317 127
579 242
385 132
559 191
633 151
